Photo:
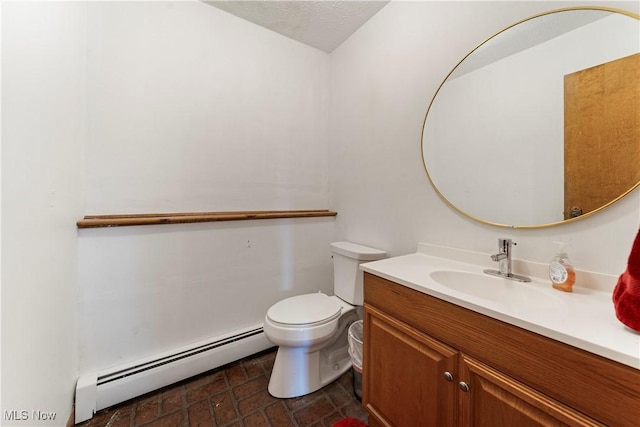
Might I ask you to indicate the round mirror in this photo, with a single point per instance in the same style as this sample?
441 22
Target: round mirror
540 124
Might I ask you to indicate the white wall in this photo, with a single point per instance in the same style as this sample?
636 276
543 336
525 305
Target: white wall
43 48
383 79
193 109
156 288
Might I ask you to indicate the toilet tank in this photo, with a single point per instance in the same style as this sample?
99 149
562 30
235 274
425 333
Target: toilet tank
347 276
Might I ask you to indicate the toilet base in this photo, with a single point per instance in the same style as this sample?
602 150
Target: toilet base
298 370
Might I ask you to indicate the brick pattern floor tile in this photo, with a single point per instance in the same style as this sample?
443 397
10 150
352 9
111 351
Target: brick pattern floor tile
234 395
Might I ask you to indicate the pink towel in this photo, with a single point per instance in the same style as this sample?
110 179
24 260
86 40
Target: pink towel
626 295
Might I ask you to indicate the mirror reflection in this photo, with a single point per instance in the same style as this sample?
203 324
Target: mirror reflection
541 123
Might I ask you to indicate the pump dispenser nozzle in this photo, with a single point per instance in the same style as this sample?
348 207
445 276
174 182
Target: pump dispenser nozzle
561 248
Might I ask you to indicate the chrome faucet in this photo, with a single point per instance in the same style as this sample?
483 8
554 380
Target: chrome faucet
503 258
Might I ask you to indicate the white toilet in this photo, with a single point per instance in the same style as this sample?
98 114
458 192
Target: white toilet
311 329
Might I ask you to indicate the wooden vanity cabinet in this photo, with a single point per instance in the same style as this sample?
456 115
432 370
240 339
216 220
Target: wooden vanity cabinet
428 362
405 379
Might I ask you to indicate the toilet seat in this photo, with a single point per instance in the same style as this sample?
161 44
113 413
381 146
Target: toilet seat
305 310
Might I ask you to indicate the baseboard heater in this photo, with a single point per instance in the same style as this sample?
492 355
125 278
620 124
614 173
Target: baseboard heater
99 390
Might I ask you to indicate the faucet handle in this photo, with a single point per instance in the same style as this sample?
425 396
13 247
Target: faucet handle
505 244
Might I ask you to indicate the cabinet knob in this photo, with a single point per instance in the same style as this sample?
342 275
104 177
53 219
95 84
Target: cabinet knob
464 386
448 376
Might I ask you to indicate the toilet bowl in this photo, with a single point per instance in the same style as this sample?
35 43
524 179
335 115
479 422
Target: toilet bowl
310 330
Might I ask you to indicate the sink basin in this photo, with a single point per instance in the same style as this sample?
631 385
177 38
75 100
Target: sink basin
491 288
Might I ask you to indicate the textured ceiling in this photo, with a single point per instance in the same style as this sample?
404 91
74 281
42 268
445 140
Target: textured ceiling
320 24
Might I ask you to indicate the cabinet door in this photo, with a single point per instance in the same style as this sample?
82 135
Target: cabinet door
494 399
404 382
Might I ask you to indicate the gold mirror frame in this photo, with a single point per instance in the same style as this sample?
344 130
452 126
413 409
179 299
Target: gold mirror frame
422 146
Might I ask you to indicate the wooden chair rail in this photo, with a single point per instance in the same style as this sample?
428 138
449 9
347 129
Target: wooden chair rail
93 221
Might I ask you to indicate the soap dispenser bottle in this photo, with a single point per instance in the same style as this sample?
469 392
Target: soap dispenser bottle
561 272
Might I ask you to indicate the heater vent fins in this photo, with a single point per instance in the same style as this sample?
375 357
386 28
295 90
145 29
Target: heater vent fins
114 376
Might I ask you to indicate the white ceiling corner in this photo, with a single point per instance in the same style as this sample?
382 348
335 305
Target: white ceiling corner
323 24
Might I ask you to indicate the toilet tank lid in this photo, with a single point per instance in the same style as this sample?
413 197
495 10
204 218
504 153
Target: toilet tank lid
356 251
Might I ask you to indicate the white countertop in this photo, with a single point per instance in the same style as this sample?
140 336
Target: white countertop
584 318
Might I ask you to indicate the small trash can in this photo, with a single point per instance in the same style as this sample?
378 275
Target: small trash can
355 351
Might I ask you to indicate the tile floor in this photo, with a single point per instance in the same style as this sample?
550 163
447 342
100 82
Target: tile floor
234 395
